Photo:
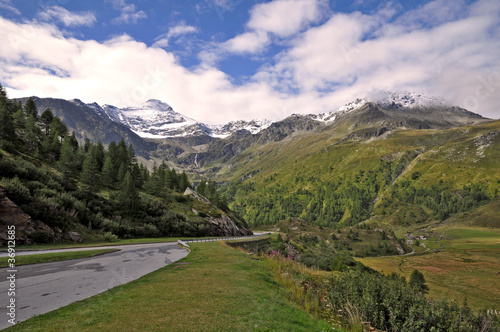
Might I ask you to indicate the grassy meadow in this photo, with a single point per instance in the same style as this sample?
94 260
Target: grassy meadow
462 264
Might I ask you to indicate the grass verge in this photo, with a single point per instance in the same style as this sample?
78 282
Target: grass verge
54 257
215 288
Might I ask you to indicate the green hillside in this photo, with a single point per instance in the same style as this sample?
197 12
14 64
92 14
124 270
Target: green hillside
53 185
404 176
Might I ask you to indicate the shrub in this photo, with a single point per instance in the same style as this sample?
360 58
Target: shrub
110 237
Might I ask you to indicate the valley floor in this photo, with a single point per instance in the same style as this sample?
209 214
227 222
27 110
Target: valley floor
462 264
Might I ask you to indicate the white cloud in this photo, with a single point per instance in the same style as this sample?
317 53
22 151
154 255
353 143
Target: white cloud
68 18
285 17
457 58
7 4
129 13
324 67
281 18
248 42
176 31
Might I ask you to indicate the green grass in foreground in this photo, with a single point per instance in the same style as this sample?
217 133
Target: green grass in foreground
54 257
215 288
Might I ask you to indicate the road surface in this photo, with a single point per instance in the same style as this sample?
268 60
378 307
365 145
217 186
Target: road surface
40 288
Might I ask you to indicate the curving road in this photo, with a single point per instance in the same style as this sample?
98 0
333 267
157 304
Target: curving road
40 288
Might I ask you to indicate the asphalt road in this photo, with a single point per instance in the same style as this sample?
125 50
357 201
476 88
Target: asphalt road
40 288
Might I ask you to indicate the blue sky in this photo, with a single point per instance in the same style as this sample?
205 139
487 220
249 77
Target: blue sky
222 60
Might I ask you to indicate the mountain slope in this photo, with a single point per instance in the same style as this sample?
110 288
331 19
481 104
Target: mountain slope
86 121
405 175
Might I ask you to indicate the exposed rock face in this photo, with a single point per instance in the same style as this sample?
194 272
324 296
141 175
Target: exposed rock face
11 214
225 226
75 237
195 195
220 226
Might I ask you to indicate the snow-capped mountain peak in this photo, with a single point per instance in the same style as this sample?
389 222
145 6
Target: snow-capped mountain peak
157 119
406 99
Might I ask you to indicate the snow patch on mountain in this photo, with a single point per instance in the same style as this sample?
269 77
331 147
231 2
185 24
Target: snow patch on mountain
406 99
156 119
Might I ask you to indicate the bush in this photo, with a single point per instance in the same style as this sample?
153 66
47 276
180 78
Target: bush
42 237
16 190
110 237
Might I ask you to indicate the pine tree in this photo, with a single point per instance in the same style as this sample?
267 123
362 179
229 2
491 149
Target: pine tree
100 154
19 119
417 281
202 188
46 119
108 172
184 182
90 170
58 126
121 172
73 141
129 197
122 154
113 155
67 161
7 130
31 109
32 133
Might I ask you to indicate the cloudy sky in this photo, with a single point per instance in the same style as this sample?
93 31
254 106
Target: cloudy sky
221 60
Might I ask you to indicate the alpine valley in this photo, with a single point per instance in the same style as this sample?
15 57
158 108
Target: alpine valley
405 158
400 183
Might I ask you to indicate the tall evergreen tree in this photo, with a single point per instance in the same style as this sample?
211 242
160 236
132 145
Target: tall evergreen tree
59 126
90 170
184 182
202 188
113 155
46 119
100 154
32 133
7 130
108 172
31 109
417 281
122 154
73 141
19 119
129 197
67 161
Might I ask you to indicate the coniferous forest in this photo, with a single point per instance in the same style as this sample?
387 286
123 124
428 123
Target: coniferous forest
85 186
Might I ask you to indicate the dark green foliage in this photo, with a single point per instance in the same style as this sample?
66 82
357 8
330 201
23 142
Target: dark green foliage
129 197
7 131
417 282
57 181
91 173
390 304
30 109
46 120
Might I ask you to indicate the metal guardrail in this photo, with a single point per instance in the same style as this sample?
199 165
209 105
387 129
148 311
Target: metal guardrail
185 242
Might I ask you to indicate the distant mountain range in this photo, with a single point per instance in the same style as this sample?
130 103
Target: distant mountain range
158 132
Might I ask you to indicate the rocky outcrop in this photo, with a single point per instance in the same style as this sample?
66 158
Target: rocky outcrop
75 237
190 192
225 226
26 228
222 225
